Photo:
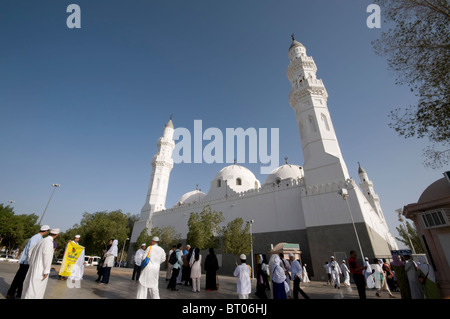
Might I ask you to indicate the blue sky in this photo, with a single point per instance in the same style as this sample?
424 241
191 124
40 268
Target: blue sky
84 107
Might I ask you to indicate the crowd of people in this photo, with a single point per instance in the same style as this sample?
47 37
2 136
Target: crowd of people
280 276
275 276
413 280
184 267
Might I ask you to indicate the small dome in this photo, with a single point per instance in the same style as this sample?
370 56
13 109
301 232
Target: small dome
287 171
191 197
437 190
238 178
232 179
295 43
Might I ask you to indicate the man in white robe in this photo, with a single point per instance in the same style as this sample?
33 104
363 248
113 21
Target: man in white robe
40 260
78 269
368 275
335 273
346 273
137 262
15 291
305 277
244 284
149 278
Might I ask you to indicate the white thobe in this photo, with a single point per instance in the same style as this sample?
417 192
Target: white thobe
305 277
40 260
77 272
346 273
138 256
78 269
335 273
244 285
367 272
148 281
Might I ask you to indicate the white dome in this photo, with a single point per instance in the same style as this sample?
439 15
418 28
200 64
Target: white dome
235 177
287 171
191 197
238 178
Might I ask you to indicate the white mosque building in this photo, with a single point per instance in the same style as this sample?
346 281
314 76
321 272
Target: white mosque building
295 204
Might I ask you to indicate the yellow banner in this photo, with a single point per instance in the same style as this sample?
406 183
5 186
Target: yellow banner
73 251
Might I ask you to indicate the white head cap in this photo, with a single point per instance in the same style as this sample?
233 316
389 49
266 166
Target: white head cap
155 238
54 231
243 257
45 227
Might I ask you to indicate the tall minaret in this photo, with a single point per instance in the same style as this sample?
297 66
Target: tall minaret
308 98
162 164
367 189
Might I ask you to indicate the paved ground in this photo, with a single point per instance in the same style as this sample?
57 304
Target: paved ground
122 287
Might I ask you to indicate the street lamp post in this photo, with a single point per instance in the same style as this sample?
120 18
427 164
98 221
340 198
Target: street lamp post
401 220
54 188
121 256
251 245
344 193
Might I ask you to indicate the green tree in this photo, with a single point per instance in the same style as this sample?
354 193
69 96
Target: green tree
417 49
167 236
410 233
15 230
96 229
236 238
6 222
204 229
144 237
64 237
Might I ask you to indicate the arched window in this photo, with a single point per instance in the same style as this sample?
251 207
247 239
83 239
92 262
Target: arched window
238 181
325 122
300 129
312 125
219 183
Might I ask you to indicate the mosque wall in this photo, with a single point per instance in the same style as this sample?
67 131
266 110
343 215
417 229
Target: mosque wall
336 240
274 208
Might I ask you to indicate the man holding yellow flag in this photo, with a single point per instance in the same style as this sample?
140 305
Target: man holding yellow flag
72 266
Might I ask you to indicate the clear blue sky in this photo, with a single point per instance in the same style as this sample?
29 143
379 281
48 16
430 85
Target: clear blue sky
84 107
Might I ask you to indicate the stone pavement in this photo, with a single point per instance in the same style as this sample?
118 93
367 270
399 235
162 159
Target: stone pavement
122 287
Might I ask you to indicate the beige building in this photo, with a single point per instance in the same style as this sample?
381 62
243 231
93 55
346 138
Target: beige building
431 215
